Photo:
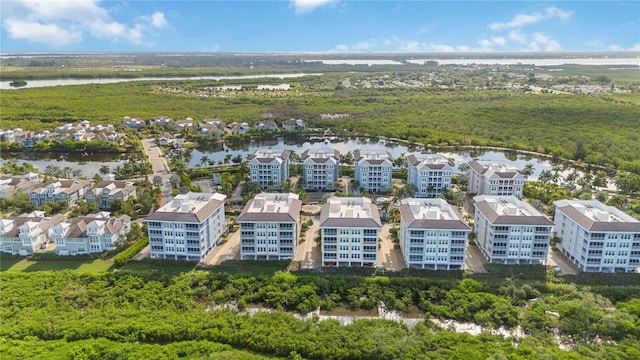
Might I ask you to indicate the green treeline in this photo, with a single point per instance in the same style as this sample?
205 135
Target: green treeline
601 130
116 315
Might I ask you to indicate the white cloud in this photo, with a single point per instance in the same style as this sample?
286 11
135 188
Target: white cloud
518 36
158 21
521 20
635 47
64 22
397 44
541 42
33 31
305 6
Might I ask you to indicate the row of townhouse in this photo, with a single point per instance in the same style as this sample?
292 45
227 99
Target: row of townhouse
71 191
429 173
94 233
78 132
214 126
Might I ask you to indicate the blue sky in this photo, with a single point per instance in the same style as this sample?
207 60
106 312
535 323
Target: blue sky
319 26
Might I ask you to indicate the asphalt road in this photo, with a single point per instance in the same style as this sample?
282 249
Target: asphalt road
160 167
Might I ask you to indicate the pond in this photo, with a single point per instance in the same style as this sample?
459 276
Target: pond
218 152
90 164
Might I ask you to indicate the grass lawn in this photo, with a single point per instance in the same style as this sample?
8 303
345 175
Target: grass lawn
97 265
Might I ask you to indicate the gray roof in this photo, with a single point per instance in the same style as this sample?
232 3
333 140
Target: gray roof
43 223
193 217
352 222
291 216
412 223
477 167
592 225
497 219
312 154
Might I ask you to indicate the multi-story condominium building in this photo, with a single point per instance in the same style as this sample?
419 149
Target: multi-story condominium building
269 167
93 233
69 191
349 232
597 237
494 178
107 191
269 227
510 231
432 235
187 227
373 169
430 173
320 168
24 234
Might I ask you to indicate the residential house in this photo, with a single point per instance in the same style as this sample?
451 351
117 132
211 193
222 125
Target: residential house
8 135
269 227
320 168
187 227
511 231
166 139
432 235
69 191
267 125
105 192
184 124
373 169
209 130
90 234
134 123
163 121
24 234
10 183
293 125
429 173
238 128
597 237
269 167
349 229
494 178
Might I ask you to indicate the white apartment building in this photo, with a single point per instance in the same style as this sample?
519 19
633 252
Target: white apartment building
511 231
93 233
187 227
597 237
349 229
22 235
269 167
494 178
373 169
430 173
432 235
320 168
269 227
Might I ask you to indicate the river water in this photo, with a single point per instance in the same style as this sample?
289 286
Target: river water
4 85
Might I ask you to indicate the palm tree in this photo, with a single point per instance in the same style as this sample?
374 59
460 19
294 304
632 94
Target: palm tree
227 158
528 170
204 160
104 169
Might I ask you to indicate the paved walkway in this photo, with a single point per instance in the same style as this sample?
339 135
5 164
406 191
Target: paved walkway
557 259
308 252
475 260
390 258
160 167
230 250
